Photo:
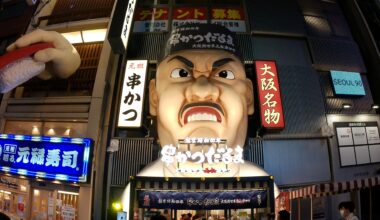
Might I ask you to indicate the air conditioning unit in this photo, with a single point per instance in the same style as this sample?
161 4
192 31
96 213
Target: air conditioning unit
31 2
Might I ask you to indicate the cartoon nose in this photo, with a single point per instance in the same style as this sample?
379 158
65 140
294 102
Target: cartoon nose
202 90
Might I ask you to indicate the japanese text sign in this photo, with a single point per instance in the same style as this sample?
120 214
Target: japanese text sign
231 18
272 116
128 22
186 15
57 158
208 153
151 20
203 200
132 97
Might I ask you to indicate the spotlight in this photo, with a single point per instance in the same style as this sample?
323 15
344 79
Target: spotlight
346 106
375 106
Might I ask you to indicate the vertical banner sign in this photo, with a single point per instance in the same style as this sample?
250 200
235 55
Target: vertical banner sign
231 18
187 15
272 116
283 202
128 22
151 20
132 98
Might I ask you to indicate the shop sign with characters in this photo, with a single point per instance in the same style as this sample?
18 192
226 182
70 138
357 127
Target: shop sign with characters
208 155
45 157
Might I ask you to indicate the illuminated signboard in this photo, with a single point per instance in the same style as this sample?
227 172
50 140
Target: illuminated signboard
272 115
203 200
231 18
189 15
57 158
132 97
209 155
347 83
121 25
151 19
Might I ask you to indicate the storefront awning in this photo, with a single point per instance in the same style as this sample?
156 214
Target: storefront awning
326 189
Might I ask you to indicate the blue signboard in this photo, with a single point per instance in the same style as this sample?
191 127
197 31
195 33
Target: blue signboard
57 158
203 200
347 83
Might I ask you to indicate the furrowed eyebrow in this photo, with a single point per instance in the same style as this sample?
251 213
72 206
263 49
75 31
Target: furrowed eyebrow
183 60
221 62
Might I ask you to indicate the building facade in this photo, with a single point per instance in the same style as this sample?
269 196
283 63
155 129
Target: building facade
330 134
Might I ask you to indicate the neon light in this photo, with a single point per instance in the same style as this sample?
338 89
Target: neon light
57 158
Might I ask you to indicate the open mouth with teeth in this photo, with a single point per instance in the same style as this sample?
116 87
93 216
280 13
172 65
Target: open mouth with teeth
201 111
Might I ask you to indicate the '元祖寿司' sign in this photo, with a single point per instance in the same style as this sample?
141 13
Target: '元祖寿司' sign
271 112
57 158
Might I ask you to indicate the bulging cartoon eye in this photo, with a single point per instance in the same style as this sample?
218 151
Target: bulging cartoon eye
227 74
180 73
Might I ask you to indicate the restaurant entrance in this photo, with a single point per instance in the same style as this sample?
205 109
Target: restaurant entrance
202 199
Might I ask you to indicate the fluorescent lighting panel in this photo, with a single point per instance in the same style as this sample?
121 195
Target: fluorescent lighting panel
73 37
94 35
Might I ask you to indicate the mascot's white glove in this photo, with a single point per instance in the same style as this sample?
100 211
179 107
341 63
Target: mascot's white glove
61 59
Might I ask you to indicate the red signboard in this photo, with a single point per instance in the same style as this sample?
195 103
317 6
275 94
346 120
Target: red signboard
272 116
231 18
187 13
151 19
227 13
148 14
283 202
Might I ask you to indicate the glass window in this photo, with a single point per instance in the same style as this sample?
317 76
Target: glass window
23 127
65 129
61 129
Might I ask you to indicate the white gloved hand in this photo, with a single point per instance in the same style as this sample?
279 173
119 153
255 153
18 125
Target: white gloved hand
61 61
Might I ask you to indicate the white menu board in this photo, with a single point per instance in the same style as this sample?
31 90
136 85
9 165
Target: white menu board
360 136
344 136
373 135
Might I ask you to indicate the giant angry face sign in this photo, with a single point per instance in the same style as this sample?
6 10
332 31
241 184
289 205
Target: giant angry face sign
201 89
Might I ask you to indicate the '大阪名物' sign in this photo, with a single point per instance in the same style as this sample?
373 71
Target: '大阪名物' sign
57 158
272 116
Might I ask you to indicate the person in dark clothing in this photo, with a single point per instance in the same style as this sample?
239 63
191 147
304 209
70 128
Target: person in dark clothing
4 216
284 215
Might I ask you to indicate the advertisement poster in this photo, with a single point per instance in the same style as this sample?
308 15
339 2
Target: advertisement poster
231 18
360 136
373 135
151 20
344 136
188 15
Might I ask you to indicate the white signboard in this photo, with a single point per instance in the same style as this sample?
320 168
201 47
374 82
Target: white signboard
373 135
360 137
68 212
375 153
362 154
128 22
344 136
132 96
347 156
